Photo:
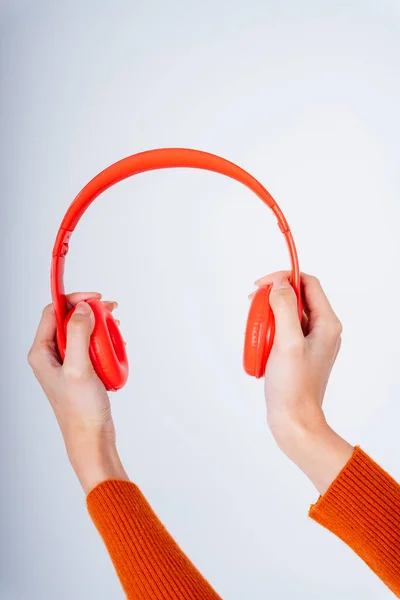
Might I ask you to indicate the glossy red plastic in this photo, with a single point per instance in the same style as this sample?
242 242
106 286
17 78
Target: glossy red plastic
107 349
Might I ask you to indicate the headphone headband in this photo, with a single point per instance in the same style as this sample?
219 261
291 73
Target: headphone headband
150 160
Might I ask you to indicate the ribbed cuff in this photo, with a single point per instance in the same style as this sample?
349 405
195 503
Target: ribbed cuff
362 507
148 561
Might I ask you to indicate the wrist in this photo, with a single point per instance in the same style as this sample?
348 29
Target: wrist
314 447
291 428
94 458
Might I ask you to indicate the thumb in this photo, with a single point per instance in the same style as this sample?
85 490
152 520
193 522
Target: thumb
283 302
79 330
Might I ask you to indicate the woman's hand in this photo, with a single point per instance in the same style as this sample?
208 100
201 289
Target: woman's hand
77 396
296 377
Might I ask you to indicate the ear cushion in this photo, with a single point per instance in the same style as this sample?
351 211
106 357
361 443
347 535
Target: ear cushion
260 331
107 348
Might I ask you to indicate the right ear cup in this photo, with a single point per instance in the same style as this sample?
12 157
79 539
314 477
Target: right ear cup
260 331
107 347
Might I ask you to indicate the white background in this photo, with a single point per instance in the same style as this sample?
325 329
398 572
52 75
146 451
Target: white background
304 95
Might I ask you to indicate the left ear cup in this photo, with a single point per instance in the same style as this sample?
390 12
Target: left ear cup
107 348
260 331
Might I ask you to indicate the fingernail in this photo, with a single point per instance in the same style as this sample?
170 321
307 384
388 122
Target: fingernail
281 282
82 308
251 295
111 302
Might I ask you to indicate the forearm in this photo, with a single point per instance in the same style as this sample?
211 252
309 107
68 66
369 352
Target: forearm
94 458
359 502
148 561
362 507
314 447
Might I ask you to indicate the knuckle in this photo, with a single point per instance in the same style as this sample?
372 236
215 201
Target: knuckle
295 351
77 322
36 356
75 373
47 309
292 346
286 297
31 357
334 328
315 280
339 327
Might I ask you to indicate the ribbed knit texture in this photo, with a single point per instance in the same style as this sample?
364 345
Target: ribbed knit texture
362 507
148 561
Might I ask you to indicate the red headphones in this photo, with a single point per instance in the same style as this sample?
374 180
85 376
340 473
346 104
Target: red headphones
107 348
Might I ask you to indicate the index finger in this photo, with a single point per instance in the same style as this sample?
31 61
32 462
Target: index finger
316 301
317 305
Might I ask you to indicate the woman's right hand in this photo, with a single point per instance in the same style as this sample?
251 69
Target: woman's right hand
296 377
77 396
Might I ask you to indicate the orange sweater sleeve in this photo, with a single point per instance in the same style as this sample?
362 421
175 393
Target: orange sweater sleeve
362 507
149 563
